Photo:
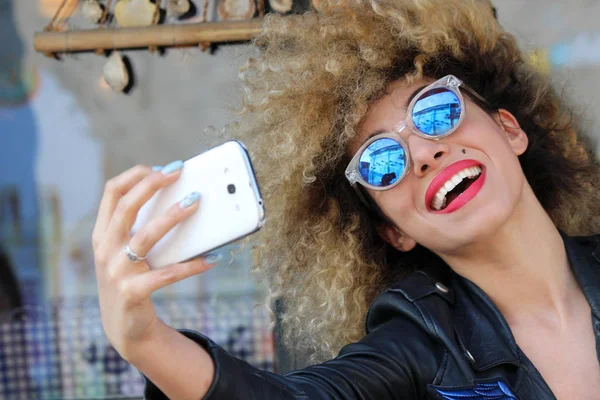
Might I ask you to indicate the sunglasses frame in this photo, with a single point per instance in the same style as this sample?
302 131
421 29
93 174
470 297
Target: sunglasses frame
449 82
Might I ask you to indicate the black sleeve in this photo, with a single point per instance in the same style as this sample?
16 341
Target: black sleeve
395 361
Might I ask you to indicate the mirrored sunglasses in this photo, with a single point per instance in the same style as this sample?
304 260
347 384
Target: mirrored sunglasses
434 113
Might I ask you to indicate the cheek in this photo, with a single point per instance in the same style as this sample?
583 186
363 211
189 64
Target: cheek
397 203
502 155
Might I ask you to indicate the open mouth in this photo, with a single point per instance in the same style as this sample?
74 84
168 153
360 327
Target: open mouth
454 187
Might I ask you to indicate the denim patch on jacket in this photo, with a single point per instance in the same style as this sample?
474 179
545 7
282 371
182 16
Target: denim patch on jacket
482 390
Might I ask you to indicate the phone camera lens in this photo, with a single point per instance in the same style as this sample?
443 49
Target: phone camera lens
231 188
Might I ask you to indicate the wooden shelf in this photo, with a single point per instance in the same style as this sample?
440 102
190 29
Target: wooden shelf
157 35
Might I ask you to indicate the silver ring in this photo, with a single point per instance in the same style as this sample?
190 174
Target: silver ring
132 256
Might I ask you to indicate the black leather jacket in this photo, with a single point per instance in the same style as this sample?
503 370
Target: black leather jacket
424 340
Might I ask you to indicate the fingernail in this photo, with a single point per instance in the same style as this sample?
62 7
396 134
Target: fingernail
174 166
157 168
189 200
212 258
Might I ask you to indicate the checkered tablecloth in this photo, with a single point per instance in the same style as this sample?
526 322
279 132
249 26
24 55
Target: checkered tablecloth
60 352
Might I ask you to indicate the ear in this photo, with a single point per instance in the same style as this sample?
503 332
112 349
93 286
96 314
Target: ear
517 139
395 237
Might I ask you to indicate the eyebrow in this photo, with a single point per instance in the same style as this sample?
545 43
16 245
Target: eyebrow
413 94
408 100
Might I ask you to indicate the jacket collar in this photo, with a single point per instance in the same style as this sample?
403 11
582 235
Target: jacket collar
584 257
482 331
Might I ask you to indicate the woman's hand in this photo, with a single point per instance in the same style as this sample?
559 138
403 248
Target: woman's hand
125 286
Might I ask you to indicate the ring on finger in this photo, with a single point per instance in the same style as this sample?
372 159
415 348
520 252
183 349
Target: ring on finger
132 256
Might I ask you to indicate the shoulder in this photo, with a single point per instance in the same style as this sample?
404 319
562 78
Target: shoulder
579 247
398 358
418 298
409 325
414 312
590 241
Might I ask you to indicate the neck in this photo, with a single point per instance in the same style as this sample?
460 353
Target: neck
522 267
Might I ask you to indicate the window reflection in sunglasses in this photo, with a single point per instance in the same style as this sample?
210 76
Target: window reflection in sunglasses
382 162
436 112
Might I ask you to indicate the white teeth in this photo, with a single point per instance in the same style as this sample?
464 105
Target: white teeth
439 200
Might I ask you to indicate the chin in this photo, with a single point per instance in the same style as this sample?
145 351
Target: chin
486 222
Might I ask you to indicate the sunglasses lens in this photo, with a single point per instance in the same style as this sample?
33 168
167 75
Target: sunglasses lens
436 112
383 162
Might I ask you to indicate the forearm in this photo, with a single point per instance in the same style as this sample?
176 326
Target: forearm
206 371
178 366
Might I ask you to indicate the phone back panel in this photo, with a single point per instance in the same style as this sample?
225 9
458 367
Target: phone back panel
222 217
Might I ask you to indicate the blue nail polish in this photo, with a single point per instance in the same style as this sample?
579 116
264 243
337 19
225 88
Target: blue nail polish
212 258
189 200
172 167
157 168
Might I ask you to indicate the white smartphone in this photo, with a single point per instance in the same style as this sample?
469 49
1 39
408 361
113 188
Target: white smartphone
230 206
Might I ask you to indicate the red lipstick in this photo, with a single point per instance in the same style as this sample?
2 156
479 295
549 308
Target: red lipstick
443 176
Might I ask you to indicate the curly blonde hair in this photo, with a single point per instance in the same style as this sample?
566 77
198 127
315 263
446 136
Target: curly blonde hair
304 98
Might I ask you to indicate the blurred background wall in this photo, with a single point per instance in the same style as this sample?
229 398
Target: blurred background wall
67 132
63 133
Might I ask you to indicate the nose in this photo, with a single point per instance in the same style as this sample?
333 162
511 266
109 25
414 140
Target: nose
426 154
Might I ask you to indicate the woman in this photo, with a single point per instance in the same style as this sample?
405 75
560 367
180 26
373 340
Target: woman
10 294
419 173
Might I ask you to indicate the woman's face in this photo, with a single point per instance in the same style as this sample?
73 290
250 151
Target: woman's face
466 219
